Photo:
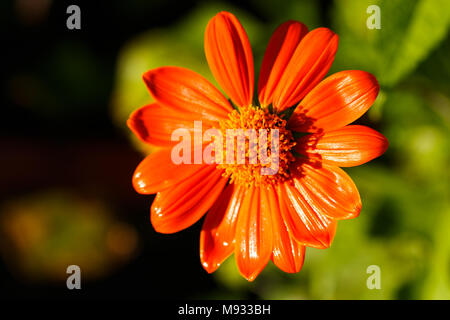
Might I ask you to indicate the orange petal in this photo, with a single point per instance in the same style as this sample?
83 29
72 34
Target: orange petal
184 204
308 65
185 90
279 51
287 254
345 147
230 57
157 172
253 246
155 124
307 226
337 101
327 189
217 237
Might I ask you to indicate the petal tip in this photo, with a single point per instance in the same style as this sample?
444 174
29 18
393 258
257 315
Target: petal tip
384 144
136 127
250 277
210 267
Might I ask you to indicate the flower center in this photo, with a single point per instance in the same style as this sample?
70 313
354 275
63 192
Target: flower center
260 154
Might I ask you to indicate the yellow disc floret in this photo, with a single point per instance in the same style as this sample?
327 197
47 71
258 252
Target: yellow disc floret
261 125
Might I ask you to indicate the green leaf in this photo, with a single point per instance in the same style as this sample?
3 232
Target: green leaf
427 26
410 30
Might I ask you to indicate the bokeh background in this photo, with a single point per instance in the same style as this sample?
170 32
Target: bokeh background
67 156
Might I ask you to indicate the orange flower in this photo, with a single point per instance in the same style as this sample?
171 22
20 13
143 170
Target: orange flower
255 216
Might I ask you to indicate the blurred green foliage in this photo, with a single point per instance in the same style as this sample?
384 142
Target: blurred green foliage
45 232
404 223
409 31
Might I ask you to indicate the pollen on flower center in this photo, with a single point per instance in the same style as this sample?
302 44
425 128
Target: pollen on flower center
262 126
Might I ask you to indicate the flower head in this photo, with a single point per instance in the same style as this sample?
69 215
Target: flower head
258 216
